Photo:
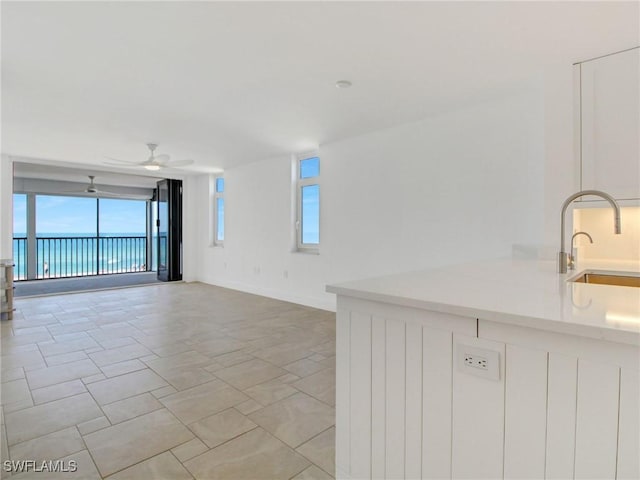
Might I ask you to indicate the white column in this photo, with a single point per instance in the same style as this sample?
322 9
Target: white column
6 207
32 267
193 197
150 229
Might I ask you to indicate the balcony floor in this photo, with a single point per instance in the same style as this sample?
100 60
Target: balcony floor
30 288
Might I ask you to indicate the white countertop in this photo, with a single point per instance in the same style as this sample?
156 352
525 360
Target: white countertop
521 292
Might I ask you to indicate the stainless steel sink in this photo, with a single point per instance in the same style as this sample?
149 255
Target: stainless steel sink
600 277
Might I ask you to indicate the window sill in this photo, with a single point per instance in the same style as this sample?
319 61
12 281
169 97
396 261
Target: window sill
308 251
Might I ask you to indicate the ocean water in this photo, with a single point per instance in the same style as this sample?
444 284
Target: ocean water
79 254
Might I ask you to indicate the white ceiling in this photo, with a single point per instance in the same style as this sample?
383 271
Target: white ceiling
234 82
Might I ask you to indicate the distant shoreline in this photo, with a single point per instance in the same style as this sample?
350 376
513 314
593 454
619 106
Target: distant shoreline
74 235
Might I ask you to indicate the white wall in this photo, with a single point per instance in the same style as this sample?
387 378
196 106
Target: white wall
463 185
561 165
190 228
6 207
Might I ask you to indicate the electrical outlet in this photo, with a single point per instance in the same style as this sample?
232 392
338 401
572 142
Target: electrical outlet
480 362
476 361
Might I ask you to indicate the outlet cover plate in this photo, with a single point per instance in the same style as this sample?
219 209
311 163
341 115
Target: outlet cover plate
469 360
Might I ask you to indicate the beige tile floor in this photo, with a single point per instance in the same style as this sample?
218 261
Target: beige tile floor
170 381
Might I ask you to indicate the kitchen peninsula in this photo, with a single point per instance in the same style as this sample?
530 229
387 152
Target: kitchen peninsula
500 369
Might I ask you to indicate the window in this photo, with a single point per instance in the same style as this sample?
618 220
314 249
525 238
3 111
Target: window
218 209
308 203
72 216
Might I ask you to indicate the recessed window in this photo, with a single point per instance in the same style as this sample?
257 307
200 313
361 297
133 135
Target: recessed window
219 185
308 203
218 209
310 167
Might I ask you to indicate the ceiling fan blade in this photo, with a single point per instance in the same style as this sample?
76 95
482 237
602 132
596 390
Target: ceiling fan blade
179 163
122 165
92 191
75 192
101 193
154 162
117 161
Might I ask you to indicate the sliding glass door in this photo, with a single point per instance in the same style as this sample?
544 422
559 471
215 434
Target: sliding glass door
169 228
162 225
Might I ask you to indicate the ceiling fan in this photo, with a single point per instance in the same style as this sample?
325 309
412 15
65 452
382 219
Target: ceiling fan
92 190
154 162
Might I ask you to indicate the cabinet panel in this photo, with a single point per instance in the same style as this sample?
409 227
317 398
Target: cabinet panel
343 379
413 403
410 405
395 411
360 404
629 426
596 420
561 416
394 391
478 417
610 124
437 353
525 412
378 396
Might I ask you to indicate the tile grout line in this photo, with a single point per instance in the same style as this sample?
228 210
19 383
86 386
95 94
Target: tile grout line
312 462
178 460
155 320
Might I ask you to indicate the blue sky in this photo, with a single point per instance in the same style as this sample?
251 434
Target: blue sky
311 214
55 214
309 168
19 214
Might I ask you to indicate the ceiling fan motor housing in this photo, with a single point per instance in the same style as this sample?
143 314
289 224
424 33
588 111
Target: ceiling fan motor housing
152 147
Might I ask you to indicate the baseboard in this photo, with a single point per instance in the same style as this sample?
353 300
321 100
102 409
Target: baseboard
307 301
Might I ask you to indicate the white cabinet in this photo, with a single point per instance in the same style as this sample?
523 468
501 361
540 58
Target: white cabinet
596 420
561 416
608 123
394 390
478 417
629 430
525 416
558 407
572 405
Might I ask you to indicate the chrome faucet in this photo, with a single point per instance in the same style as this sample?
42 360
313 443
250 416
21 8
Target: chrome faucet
572 258
563 257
